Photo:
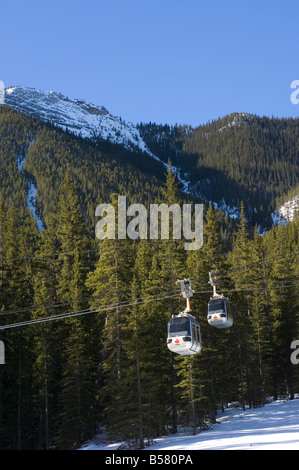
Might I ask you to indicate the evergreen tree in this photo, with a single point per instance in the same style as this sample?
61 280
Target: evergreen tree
211 365
16 287
240 273
109 285
45 367
284 305
109 365
136 426
173 259
78 374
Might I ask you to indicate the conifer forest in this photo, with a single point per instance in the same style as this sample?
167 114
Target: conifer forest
84 321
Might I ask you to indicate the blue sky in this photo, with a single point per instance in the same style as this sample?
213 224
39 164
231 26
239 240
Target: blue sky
165 61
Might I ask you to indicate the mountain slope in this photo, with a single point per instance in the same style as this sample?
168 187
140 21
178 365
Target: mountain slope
240 157
78 116
63 270
34 157
272 427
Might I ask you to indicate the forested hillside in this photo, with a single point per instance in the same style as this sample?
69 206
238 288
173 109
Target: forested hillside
32 150
84 322
237 158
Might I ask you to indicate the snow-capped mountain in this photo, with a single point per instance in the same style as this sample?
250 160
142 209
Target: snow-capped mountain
81 117
93 121
76 115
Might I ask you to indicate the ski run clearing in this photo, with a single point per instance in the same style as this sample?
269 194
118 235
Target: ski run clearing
274 426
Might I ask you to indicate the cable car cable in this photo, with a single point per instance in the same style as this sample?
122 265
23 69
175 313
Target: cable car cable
82 312
79 300
130 303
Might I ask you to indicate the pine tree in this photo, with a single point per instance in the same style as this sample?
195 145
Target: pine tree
45 366
261 321
283 300
78 374
74 245
210 366
156 365
137 338
16 294
173 267
240 273
109 285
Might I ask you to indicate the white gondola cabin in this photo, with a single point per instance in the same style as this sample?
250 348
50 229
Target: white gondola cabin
184 336
220 312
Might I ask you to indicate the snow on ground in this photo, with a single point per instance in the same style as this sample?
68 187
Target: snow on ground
272 427
231 211
31 199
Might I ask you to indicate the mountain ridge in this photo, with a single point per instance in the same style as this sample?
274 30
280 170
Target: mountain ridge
238 157
78 116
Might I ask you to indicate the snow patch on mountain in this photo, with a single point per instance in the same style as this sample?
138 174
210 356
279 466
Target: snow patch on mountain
76 115
82 118
286 212
21 158
238 118
231 211
289 208
31 193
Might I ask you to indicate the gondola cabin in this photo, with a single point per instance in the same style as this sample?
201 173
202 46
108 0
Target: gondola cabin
184 336
220 312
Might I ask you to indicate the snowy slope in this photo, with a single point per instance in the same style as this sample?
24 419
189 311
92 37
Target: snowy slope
81 118
91 121
287 211
272 427
78 116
